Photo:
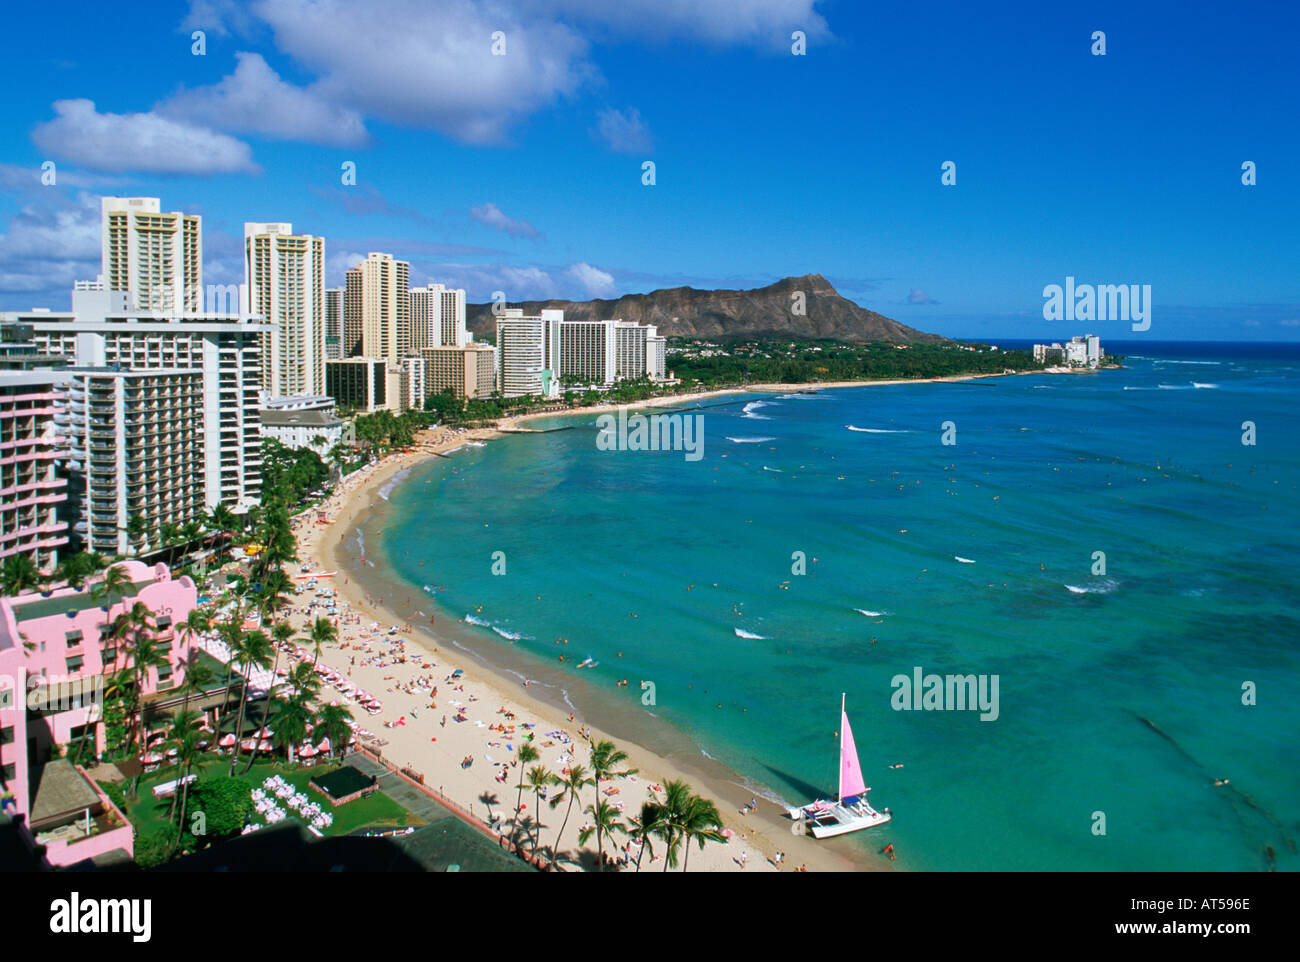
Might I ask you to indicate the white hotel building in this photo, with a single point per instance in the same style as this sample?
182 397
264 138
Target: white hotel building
154 257
284 280
536 354
224 350
528 353
438 318
132 451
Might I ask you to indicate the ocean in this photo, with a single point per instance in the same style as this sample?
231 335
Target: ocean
1120 691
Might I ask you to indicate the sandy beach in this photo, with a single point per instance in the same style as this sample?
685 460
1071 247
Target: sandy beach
470 761
420 728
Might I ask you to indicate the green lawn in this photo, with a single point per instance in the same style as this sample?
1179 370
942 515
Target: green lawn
375 811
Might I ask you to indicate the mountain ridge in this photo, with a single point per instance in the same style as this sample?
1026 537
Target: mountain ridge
726 314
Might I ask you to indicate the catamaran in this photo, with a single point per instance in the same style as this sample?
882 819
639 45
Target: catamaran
850 811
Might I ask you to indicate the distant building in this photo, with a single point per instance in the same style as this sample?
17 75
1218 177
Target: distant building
333 323
154 257
284 277
438 318
365 384
414 383
469 371
302 421
528 353
1084 351
377 309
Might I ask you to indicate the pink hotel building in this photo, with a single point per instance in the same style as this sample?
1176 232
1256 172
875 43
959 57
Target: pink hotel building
29 489
55 654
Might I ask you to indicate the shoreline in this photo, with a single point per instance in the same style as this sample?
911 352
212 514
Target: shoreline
491 679
368 587
810 387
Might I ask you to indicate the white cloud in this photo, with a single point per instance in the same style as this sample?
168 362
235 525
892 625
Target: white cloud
255 100
139 142
490 215
595 282
761 23
46 246
338 263
430 64
624 133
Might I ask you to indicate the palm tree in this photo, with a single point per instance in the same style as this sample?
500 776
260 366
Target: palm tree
191 531
223 523
198 677
276 589
188 757
539 777
333 721
281 632
605 757
182 724
136 529
605 823
526 754
670 818
643 827
303 681
197 622
231 634
169 534
253 650
291 719
571 786
700 823
146 653
323 632
75 569
18 574
112 588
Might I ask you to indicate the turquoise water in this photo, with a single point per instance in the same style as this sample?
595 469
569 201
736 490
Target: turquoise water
649 563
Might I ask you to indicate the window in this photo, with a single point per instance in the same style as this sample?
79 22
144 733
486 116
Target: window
8 772
7 736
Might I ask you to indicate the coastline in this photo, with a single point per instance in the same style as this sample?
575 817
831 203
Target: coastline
668 401
369 589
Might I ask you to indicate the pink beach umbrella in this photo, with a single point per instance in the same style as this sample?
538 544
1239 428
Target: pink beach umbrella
248 745
153 758
307 751
226 741
264 746
323 745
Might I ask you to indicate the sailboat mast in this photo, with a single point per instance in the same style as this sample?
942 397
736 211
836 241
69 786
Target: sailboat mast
839 790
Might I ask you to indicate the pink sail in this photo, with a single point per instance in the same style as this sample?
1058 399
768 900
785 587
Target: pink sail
851 782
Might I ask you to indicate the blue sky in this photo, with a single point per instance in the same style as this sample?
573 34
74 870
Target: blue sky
523 172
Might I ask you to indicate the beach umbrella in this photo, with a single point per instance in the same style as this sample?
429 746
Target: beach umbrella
307 751
248 745
153 758
264 746
323 745
226 741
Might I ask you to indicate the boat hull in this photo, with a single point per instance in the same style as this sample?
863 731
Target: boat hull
823 820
